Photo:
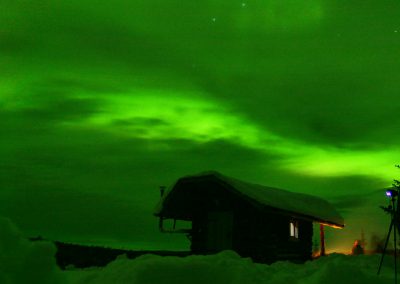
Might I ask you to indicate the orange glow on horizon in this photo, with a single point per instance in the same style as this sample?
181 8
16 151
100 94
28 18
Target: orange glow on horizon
317 254
339 250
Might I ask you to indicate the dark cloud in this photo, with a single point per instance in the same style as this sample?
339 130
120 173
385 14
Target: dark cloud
321 106
140 122
347 202
61 110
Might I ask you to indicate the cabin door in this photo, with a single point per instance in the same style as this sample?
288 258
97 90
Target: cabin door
219 231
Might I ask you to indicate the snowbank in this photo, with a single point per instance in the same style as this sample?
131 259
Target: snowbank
22 261
228 268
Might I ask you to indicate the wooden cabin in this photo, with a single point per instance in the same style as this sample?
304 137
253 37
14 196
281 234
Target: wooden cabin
264 223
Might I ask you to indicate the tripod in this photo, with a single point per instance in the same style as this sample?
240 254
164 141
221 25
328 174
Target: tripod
393 210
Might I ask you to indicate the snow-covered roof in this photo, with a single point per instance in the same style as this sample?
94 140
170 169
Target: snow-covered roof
302 205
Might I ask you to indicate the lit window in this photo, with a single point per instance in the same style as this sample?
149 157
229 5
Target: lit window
294 229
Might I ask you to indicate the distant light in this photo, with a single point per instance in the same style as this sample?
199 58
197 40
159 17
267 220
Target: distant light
388 193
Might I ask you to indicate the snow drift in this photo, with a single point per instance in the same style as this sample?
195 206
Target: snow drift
229 268
22 261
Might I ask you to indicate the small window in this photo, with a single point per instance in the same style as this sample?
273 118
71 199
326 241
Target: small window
294 229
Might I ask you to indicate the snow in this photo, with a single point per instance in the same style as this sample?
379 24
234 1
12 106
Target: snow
229 268
307 205
22 261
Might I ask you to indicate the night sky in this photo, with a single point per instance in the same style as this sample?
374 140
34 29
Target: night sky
101 102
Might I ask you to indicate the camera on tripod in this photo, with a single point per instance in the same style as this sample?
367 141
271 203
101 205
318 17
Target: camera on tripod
392 194
393 210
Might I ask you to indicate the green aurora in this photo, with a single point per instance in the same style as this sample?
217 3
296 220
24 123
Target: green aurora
102 102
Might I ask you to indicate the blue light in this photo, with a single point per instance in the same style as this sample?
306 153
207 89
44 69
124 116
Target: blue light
389 193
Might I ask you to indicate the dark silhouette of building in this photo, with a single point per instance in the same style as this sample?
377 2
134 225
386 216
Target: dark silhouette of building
84 256
266 224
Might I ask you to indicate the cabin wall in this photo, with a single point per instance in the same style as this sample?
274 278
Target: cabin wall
264 235
259 233
256 235
295 249
212 215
